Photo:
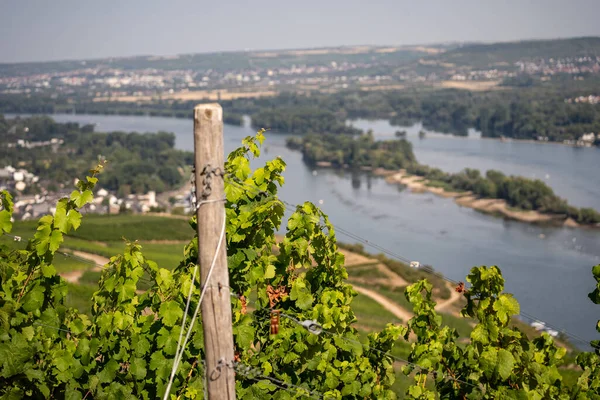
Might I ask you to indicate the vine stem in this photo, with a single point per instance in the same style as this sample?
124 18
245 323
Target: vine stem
25 285
187 378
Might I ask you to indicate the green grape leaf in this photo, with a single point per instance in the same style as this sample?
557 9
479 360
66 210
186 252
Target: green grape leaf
138 368
108 373
14 355
33 300
56 238
244 335
506 362
164 278
301 294
48 271
270 272
142 346
505 306
74 219
167 340
126 291
480 334
351 388
34 374
170 312
331 382
62 360
596 272
82 198
60 216
488 361
28 332
415 391
5 222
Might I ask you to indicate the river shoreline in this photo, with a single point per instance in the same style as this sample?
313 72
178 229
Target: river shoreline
497 207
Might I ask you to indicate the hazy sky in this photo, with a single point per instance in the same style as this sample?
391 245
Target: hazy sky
35 30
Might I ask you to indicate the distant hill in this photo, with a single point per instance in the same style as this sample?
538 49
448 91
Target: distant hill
486 55
240 60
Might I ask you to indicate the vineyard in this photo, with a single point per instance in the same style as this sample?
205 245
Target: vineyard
306 323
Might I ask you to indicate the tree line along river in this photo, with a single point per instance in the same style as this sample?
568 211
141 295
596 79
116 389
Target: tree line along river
548 269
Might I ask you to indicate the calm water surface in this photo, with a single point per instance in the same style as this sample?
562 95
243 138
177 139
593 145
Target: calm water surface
550 277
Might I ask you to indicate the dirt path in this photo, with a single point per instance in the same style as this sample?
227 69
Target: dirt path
357 260
164 241
167 215
445 305
75 276
393 278
386 303
354 259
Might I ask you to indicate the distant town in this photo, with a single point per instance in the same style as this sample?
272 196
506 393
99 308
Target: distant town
366 67
32 206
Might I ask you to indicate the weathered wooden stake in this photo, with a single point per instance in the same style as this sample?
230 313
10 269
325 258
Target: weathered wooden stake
216 305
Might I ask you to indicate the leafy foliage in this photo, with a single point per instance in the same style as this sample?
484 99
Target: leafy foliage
127 346
589 382
499 361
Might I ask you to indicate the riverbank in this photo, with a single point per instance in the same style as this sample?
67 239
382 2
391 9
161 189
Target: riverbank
508 140
498 207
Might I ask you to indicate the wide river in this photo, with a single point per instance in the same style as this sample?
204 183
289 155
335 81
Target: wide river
548 269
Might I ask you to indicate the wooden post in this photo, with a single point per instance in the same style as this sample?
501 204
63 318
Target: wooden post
216 305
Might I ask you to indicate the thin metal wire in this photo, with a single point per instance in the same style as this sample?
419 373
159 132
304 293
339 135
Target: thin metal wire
560 330
201 202
366 347
50 326
187 307
179 355
255 374
68 331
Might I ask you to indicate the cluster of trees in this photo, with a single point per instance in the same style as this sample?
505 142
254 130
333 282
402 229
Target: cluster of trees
347 151
522 111
524 119
43 104
20 103
354 151
519 192
138 162
302 119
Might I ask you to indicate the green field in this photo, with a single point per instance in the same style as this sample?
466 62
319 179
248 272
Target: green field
104 235
80 297
107 228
